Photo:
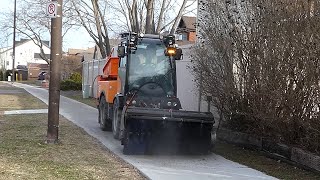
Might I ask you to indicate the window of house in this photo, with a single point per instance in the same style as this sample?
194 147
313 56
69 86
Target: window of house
7 63
184 36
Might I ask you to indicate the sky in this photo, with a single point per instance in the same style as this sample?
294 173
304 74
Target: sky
73 39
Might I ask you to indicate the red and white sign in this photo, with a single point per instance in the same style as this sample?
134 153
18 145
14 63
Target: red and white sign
52 9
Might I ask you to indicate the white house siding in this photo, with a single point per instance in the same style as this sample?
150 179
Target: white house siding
24 55
3 55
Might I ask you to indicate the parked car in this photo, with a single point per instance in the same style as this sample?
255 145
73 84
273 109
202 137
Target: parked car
42 75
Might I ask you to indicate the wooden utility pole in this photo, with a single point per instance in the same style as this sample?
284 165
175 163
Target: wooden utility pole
54 85
13 77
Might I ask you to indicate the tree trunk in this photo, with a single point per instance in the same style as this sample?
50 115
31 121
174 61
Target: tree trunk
149 18
98 26
160 20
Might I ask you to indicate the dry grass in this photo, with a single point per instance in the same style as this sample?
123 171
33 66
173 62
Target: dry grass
25 155
77 95
20 101
257 160
13 98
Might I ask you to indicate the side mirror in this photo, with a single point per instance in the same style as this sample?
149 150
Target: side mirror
179 55
121 51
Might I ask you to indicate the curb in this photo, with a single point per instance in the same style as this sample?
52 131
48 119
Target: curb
292 155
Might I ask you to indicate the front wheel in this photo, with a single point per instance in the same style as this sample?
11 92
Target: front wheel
116 120
104 122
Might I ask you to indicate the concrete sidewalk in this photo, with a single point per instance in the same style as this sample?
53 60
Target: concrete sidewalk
155 167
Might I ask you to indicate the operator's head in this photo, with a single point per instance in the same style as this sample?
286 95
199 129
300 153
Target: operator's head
151 53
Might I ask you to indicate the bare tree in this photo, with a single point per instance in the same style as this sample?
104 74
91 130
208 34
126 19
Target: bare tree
260 61
177 19
92 18
33 23
150 16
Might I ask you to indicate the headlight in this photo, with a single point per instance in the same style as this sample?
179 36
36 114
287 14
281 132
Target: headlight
169 103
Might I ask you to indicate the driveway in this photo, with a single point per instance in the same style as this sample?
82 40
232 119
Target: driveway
153 166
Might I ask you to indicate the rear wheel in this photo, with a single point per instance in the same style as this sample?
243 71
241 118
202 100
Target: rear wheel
103 115
116 119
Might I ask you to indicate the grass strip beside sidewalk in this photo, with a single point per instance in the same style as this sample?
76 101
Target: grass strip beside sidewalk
257 160
13 98
25 155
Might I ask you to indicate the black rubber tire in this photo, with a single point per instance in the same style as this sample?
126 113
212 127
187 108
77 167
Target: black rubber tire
104 122
117 111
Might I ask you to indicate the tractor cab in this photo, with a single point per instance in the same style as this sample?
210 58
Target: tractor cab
150 76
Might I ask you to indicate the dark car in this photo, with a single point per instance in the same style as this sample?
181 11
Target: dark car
42 75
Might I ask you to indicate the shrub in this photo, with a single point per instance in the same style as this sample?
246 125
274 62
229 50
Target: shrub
70 84
73 83
76 77
260 62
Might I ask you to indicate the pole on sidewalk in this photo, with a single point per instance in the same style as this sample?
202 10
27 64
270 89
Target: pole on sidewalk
13 77
54 85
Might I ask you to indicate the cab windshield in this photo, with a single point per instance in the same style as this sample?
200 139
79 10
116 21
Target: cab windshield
149 64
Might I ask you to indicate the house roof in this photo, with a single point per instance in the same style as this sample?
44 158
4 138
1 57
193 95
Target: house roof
22 40
187 23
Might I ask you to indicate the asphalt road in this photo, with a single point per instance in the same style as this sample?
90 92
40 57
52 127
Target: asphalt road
153 166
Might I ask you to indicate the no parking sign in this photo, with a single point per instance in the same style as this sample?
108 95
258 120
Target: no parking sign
52 9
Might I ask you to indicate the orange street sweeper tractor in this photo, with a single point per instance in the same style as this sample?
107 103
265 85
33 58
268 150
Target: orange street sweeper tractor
137 97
